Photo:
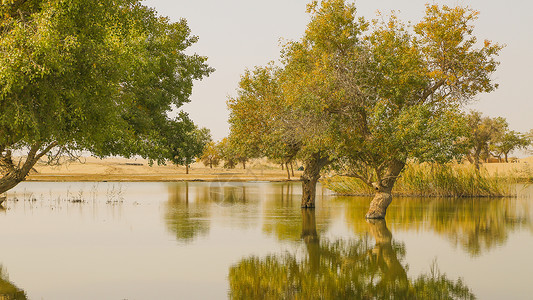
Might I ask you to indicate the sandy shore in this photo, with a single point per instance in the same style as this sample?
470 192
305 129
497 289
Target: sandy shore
120 169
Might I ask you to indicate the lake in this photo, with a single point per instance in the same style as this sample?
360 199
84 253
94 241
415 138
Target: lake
199 240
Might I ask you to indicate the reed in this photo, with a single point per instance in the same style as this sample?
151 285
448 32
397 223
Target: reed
435 180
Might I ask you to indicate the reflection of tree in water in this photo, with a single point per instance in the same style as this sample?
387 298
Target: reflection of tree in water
476 225
188 210
282 216
8 290
187 218
342 269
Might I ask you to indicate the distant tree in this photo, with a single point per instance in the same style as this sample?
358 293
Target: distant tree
211 155
186 142
510 141
227 153
484 132
530 137
90 75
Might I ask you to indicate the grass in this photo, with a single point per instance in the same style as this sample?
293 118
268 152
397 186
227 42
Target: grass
436 180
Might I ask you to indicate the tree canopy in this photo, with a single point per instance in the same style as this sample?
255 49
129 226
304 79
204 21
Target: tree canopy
369 95
100 76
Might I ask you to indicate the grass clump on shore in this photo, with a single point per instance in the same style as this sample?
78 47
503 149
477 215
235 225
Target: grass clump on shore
435 180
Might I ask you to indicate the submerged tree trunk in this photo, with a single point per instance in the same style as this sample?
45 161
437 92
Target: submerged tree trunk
310 177
383 196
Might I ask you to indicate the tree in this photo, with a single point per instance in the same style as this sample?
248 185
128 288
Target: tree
484 132
186 141
405 85
89 75
369 100
211 155
510 141
259 118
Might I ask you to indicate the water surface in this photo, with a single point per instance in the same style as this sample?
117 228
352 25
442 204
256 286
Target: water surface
251 240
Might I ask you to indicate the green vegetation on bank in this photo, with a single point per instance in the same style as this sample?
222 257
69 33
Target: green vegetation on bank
438 180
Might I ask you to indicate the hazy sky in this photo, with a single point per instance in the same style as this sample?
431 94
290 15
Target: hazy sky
240 34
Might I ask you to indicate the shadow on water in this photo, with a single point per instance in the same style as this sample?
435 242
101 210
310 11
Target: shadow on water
358 268
8 290
475 225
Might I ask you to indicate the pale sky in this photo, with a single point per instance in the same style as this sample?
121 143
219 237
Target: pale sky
240 34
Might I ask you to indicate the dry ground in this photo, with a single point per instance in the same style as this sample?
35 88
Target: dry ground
120 169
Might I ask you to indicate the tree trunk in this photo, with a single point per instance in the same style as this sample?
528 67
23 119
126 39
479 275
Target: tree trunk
292 169
13 175
244 164
310 177
288 171
282 167
186 169
506 158
383 196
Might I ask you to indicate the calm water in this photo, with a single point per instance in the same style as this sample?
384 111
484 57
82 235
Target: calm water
251 240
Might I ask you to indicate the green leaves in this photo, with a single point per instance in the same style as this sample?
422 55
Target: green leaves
100 76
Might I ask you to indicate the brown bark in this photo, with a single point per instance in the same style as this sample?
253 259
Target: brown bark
288 171
186 169
310 177
13 175
244 164
383 197
292 169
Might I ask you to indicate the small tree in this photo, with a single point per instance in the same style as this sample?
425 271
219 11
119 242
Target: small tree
510 141
211 155
186 142
483 134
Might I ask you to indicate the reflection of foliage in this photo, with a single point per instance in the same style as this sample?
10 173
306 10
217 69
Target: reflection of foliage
187 219
476 225
340 269
283 217
189 206
8 290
